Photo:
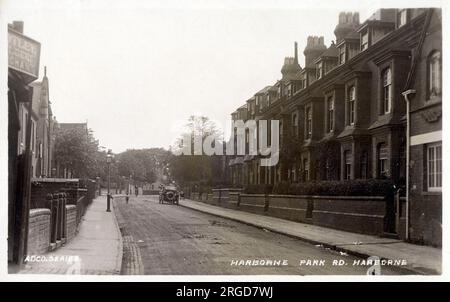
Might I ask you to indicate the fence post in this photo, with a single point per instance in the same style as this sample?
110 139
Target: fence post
64 216
266 202
49 201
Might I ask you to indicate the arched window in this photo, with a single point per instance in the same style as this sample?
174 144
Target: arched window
387 90
434 74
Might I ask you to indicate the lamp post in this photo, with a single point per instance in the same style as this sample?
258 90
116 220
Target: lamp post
109 158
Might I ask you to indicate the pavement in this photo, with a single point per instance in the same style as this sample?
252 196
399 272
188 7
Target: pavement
166 239
95 250
420 259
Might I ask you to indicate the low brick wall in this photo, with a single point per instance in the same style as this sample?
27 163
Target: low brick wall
222 197
209 198
254 203
195 196
354 214
71 225
358 214
41 187
290 207
38 231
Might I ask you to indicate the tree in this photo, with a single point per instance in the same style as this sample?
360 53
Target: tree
144 165
77 150
199 170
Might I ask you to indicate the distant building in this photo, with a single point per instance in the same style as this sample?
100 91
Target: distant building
43 129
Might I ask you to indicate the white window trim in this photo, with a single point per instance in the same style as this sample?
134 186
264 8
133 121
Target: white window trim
352 117
429 188
389 103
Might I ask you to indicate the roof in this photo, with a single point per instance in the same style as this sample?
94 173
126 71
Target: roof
332 51
293 77
352 35
82 126
36 98
264 90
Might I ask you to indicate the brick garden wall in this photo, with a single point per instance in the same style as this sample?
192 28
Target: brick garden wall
66 201
289 207
254 203
38 231
358 214
41 187
355 214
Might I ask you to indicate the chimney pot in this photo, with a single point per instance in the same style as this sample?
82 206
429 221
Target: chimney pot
18 26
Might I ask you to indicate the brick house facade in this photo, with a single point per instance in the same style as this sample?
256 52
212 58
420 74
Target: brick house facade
343 115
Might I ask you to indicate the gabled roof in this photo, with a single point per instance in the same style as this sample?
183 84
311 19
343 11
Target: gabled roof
332 51
264 90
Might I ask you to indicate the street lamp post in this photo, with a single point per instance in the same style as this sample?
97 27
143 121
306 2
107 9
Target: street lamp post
109 157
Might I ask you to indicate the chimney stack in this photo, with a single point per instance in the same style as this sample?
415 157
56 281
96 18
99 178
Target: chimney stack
348 22
296 53
17 26
314 48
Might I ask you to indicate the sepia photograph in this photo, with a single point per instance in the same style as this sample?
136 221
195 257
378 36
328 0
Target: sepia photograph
221 139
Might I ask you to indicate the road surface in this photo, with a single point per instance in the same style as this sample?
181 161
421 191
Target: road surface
164 239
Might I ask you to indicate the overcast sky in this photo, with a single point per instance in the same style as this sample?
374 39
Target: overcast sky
135 70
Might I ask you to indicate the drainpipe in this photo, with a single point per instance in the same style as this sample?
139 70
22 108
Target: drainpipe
407 100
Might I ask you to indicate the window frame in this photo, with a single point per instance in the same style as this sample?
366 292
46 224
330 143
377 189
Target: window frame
351 105
308 121
319 70
435 56
386 83
295 124
342 52
347 165
400 14
382 162
365 45
437 177
306 168
330 113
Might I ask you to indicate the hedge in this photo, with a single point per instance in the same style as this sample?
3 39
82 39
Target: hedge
359 187
258 189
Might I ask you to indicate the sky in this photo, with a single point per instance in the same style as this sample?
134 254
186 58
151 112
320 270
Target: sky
136 70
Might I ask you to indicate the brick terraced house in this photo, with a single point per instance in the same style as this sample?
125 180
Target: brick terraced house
344 115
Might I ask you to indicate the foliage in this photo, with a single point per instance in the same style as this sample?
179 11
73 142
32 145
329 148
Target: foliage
328 154
258 189
77 150
200 170
143 165
357 187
